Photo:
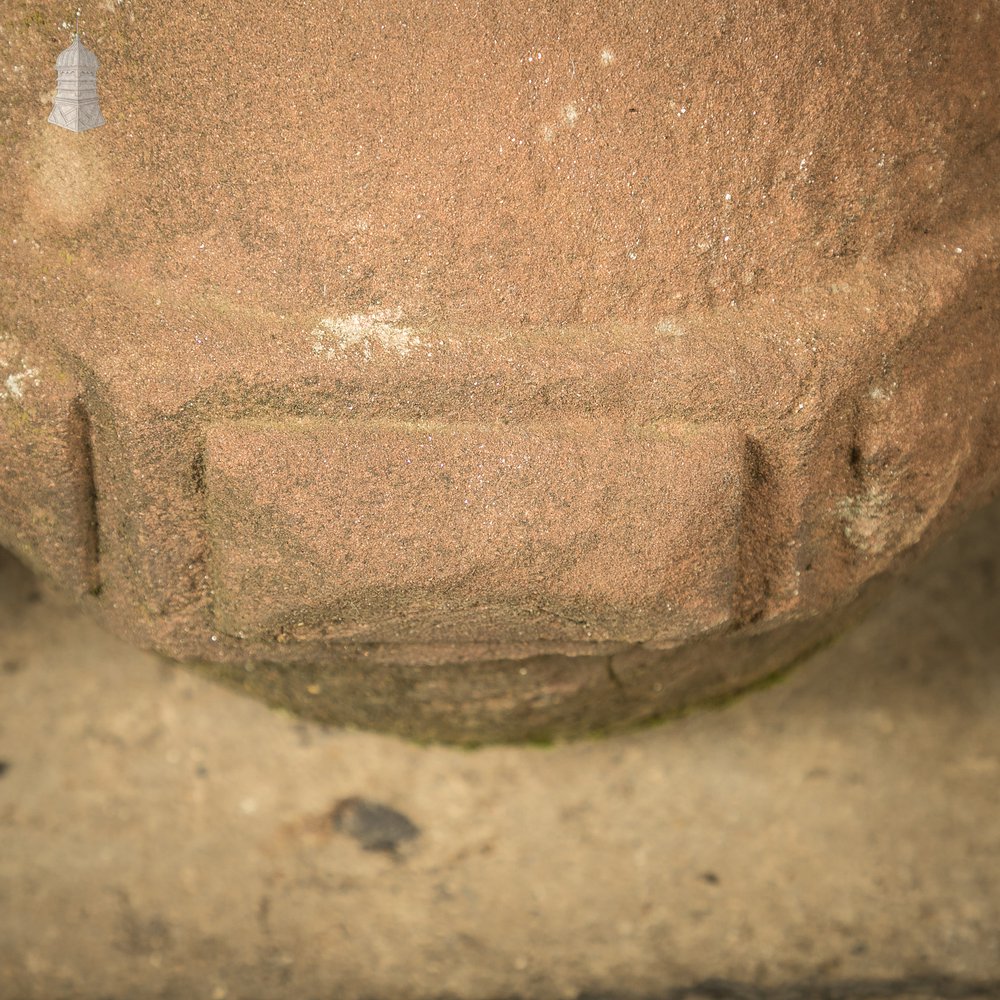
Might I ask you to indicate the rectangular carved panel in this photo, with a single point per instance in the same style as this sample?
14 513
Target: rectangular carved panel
385 531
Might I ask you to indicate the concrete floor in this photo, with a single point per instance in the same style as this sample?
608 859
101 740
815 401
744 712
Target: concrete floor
837 835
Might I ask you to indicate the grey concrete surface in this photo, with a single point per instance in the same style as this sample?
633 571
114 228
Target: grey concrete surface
836 835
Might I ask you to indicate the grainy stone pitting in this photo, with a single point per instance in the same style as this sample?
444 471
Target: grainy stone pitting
499 372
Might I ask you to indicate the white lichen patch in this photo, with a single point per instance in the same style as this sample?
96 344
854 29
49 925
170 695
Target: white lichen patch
364 332
670 328
864 519
14 384
564 122
16 381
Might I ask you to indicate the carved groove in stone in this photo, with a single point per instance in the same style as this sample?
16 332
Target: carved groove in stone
90 531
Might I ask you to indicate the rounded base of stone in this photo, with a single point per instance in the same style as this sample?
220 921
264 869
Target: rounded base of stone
543 698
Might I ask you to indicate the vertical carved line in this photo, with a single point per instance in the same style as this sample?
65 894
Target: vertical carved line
757 556
90 529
